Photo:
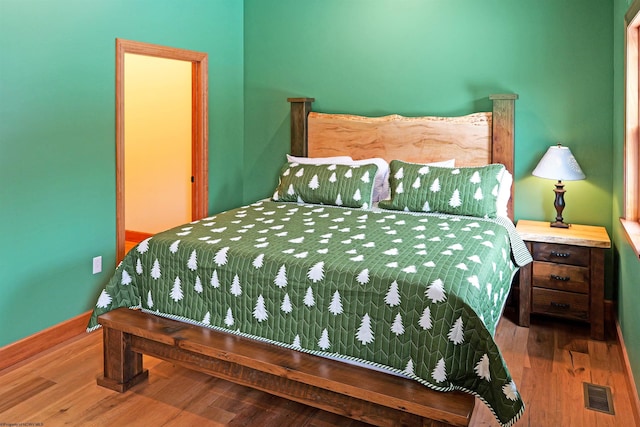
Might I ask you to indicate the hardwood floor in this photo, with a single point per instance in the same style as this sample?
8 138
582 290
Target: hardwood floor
549 362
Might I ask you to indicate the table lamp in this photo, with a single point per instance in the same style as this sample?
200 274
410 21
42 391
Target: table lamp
558 163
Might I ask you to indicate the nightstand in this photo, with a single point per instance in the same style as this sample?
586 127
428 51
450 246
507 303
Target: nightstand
566 278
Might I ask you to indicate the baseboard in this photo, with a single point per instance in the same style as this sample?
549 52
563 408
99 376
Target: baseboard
136 236
43 340
631 385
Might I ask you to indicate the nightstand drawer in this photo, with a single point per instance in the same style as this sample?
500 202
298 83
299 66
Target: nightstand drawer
561 277
559 303
564 254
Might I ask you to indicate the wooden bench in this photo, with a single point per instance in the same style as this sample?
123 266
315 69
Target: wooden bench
377 398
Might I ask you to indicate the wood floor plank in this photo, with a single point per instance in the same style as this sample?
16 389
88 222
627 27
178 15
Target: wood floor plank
167 400
608 370
69 376
541 405
23 392
549 362
570 369
69 409
204 406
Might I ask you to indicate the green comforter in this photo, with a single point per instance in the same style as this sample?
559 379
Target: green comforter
418 294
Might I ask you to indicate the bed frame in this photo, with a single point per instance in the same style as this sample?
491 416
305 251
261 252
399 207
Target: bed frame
376 398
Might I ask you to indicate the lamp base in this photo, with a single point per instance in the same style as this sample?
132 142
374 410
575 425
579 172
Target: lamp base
559 205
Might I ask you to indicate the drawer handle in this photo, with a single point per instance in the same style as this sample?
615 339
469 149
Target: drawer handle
561 278
560 254
560 305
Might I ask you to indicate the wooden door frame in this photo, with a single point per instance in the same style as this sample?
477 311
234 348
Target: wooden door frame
199 128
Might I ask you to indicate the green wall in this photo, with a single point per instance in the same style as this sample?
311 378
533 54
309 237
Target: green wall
628 265
57 139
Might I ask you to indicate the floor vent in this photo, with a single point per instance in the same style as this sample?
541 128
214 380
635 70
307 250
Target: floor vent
598 398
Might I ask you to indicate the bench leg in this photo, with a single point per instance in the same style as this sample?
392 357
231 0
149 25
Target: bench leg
122 366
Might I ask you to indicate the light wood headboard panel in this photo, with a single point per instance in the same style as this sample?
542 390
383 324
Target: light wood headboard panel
413 139
473 140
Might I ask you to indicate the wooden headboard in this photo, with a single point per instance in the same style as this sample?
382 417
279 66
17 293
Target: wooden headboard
473 140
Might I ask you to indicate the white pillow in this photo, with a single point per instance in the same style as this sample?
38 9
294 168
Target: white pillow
504 194
319 160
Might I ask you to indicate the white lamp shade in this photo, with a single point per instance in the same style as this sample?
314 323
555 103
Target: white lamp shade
558 163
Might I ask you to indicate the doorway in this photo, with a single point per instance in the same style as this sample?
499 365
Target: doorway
199 134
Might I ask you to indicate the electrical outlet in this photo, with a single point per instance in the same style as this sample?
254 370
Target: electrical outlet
97 264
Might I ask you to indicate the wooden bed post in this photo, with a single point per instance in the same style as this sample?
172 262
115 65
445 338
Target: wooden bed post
503 143
122 366
300 108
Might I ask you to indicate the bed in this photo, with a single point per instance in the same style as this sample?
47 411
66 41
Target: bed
384 312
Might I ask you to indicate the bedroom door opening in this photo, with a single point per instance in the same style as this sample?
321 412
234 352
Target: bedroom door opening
161 170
